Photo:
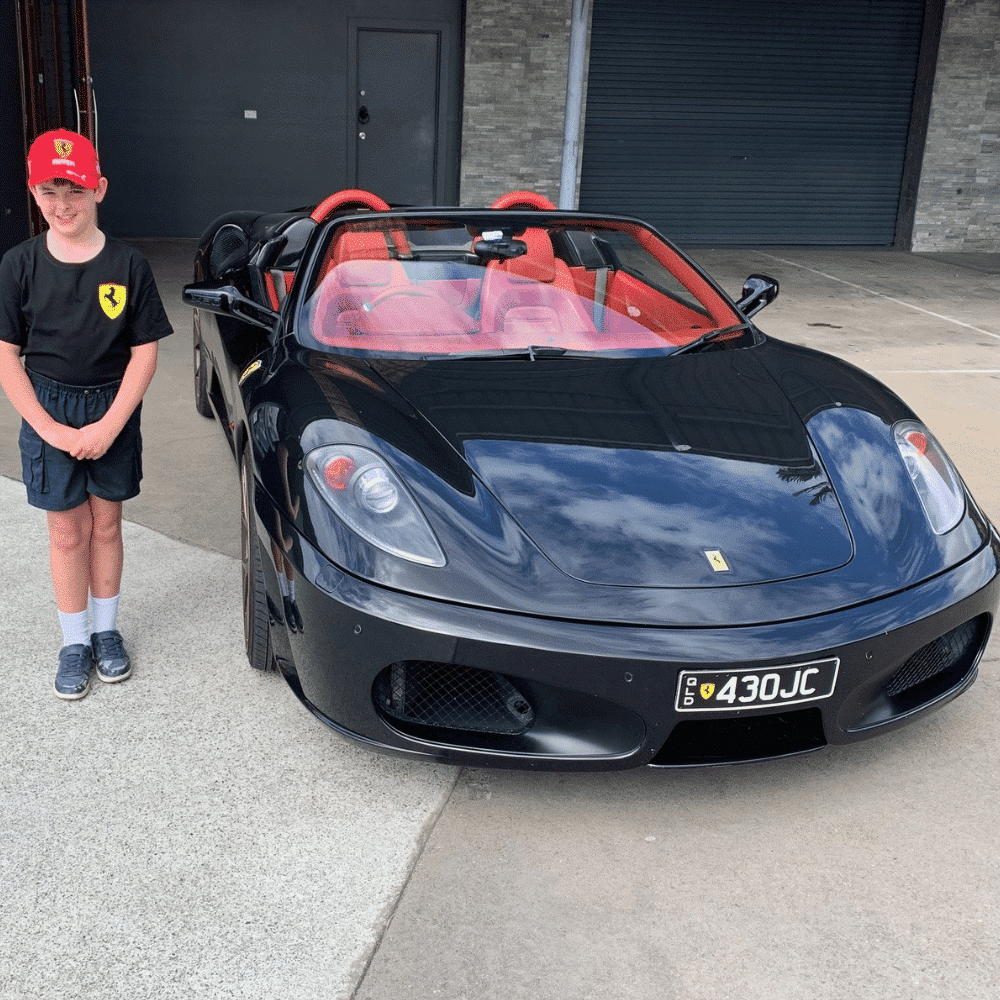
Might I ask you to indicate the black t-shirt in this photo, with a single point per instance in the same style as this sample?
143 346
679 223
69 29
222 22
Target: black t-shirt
77 323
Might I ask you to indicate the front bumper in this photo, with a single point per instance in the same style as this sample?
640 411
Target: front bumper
572 695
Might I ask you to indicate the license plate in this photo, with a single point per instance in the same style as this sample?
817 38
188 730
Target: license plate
738 690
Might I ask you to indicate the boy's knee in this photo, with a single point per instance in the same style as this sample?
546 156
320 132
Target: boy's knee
106 530
107 519
68 534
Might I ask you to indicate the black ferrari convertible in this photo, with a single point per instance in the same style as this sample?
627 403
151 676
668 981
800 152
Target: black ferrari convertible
524 487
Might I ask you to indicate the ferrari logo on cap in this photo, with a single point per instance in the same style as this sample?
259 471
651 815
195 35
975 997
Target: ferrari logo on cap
706 691
112 299
716 560
63 147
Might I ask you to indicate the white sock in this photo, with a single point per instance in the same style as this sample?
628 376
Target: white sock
104 613
75 628
282 583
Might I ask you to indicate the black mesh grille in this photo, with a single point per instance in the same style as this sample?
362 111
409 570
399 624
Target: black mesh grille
935 658
446 696
228 246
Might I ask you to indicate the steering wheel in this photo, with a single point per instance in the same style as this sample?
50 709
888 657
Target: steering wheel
524 199
451 321
389 293
353 197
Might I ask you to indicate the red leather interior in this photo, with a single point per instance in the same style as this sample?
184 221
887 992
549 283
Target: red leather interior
635 302
374 299
278 284
533 291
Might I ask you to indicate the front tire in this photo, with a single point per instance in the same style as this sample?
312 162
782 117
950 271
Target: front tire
201 401
256 618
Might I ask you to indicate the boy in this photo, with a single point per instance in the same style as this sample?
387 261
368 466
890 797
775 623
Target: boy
83 312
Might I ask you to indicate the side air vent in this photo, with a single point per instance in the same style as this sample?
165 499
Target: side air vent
229 247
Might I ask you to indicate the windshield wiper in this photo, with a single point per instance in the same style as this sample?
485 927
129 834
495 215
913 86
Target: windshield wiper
535 352
531 352
706 338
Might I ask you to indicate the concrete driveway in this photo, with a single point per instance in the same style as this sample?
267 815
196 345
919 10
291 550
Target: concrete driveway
194 832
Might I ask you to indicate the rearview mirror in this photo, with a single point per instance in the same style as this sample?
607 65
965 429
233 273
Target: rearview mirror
758 291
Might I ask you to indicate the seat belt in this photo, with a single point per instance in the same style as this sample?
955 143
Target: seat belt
600 294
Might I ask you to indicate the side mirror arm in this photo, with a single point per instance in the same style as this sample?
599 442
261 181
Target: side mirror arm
227 301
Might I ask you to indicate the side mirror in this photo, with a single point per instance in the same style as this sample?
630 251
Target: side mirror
758 291
227 301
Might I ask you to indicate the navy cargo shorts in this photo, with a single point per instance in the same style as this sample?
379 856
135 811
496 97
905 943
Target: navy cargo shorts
55 480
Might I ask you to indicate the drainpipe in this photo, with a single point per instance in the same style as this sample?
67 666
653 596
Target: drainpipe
574 103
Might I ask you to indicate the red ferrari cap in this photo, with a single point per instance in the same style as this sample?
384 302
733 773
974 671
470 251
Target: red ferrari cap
62 153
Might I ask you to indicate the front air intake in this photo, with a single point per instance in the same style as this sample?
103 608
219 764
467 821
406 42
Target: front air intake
733 741
447 696
940 663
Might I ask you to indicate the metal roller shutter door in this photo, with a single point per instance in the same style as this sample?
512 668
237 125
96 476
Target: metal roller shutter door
751 122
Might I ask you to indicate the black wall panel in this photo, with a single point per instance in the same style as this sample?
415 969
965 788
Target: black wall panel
175 79
752 121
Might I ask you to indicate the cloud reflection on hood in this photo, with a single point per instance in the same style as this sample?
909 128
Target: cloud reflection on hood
645 518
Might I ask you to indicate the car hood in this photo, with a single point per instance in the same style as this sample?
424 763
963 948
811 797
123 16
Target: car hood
641 472
538 476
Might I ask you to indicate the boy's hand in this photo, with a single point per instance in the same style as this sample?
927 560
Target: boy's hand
62 437
94 440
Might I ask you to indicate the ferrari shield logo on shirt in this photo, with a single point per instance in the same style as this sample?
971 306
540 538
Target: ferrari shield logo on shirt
707 690
112 299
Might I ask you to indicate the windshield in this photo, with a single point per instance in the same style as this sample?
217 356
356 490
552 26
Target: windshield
455 286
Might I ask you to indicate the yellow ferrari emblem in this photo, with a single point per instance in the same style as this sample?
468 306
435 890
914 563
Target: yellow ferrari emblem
63 147
707 690
716 560
254 365
112 298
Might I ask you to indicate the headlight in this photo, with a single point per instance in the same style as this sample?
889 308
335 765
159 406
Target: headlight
932 475
373 502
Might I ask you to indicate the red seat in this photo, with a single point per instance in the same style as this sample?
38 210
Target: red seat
531 299
348 292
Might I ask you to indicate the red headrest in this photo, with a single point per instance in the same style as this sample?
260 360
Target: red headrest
538 264
354 245
523 199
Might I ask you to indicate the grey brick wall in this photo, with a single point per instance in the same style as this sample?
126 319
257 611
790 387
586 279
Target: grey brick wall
958 201
516 58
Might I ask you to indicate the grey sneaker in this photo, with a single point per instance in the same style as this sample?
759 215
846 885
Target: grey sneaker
73 675
113 664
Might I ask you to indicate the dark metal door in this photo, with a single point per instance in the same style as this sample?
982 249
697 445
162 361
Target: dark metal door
748 121
396 135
